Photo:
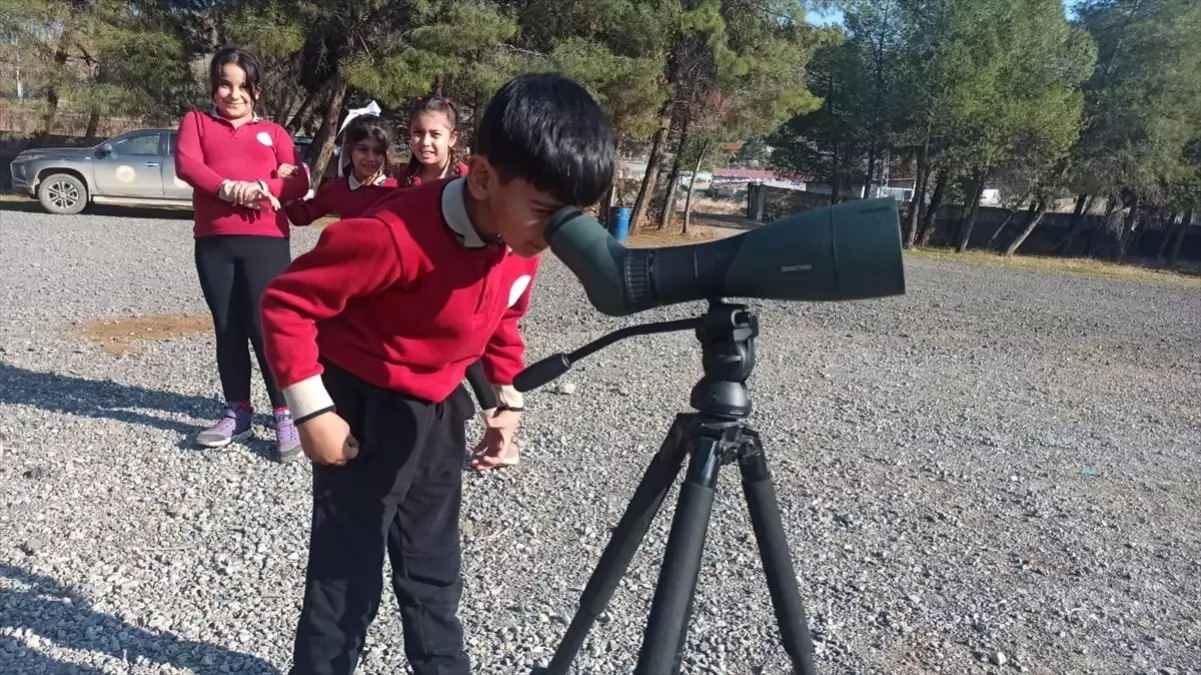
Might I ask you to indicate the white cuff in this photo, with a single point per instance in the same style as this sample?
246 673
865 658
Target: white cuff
507 396
307 397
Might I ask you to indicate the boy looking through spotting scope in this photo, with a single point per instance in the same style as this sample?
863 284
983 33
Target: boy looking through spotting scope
370 335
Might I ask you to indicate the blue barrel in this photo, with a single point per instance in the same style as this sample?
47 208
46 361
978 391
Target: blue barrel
619 225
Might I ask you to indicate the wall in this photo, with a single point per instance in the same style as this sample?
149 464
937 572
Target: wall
1049 233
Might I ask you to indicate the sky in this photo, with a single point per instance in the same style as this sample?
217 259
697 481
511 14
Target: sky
835 16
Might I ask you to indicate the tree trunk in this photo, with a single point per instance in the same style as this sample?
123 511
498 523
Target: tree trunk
669 203
50 116
928 220
1113 211
919 196
673 182
871 171
1169 228
1001 228
652 167
1128 227
93 126
282 104
609 200
1031 210
1185 224
302 116
1083 204
965 231
329 131
1141 226
605 207
1030 225
700 156
1077 212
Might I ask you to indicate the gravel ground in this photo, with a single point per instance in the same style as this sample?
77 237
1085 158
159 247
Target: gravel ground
998 472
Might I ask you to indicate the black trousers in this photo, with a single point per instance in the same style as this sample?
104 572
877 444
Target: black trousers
234 271
401 494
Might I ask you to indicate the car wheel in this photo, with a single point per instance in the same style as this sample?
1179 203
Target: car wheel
63 194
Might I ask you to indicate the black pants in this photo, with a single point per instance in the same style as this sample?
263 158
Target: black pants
234 271
401 494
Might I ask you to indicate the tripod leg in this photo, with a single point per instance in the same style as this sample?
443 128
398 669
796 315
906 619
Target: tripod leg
626 538
777 563
667 626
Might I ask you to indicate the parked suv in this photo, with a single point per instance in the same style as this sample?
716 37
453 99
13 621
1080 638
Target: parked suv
136 168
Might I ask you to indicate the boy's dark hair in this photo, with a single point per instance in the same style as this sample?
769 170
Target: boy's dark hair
244 59
434 104
546 129
371 127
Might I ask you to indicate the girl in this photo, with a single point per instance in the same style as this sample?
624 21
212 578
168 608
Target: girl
369 145
229 156
433 133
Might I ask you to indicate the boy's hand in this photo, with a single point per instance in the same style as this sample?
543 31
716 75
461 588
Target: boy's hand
500 427
286 171
326 439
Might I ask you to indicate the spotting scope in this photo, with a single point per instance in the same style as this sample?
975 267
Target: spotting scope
844 252
848 251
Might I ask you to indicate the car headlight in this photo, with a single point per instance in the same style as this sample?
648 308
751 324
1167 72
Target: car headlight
26 158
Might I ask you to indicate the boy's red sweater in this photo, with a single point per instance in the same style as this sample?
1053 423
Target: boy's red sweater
344 196
405 298
209 150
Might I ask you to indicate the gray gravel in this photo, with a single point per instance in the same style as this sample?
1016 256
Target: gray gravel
999 472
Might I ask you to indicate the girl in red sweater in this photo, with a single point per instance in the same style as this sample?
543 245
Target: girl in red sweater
433 133
229 156
369 144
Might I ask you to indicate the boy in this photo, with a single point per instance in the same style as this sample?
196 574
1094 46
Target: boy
370 334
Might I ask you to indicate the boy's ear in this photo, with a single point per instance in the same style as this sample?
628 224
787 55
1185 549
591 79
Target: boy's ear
481 177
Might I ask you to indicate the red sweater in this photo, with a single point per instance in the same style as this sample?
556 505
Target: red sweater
344 196
406 299
209 151
411 177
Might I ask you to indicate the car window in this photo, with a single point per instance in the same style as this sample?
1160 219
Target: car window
140 145
171 144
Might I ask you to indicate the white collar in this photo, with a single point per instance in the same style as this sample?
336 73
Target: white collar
253 118
355 184
454 212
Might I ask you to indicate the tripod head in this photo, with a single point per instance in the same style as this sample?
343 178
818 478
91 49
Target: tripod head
727 333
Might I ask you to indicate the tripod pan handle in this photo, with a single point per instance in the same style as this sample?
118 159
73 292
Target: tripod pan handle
542 372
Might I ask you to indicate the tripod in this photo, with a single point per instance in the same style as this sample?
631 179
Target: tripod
715 435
